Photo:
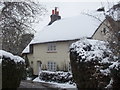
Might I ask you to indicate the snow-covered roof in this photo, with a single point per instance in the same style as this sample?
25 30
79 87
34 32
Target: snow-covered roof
11 56
67 29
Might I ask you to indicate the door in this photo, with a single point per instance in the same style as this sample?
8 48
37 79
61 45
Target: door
39 64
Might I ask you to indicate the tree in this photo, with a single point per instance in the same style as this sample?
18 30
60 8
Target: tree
24 41
114 19
16 19
114 41
113 16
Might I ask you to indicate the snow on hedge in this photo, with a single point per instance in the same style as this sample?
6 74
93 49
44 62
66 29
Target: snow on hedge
57 85
89 50
11 56
58 79
58 76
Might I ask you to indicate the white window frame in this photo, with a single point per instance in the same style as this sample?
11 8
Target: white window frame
51 47
51 66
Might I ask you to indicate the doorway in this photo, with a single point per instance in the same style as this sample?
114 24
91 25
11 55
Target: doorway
39 68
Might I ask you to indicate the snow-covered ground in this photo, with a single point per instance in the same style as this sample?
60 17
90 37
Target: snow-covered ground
57 85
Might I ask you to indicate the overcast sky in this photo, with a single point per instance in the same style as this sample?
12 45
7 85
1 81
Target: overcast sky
71 8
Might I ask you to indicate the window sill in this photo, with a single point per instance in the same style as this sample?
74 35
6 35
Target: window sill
51 51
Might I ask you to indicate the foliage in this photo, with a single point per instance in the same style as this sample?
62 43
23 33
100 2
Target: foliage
16 19
28 73
11 73
114 39
93 65
60 77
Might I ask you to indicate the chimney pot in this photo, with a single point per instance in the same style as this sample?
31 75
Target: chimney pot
53 12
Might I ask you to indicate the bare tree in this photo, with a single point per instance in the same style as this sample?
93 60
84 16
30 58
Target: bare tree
15 21
114 19
112 15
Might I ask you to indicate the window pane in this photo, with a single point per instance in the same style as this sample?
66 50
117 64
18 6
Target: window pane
54 47
51 47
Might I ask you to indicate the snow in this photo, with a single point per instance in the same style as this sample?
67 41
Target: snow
89 50
26 50
110 84
97 48
67 29
119 32
29 78
50 72
105 72
115 65
11 56
56 85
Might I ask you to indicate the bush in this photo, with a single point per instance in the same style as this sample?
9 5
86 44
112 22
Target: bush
60 77
28 74
12 71
115 75
93 65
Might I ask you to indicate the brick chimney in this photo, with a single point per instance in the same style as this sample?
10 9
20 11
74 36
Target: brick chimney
55 16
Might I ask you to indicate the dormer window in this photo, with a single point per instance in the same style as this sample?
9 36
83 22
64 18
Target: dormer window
51 47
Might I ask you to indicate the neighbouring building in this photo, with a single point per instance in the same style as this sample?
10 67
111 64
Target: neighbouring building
49 49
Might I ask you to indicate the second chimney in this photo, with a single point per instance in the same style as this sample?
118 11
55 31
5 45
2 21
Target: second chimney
53 12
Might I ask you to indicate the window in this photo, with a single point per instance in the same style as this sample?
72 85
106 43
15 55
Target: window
51 66
104 31
52 47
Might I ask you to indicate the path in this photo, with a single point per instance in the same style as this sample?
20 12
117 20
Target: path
28 85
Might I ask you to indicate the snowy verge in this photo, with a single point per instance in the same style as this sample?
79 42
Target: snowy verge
56 85
11 56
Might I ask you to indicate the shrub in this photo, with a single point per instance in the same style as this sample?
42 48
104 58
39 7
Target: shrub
60 77
12 70
92 65
28 73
